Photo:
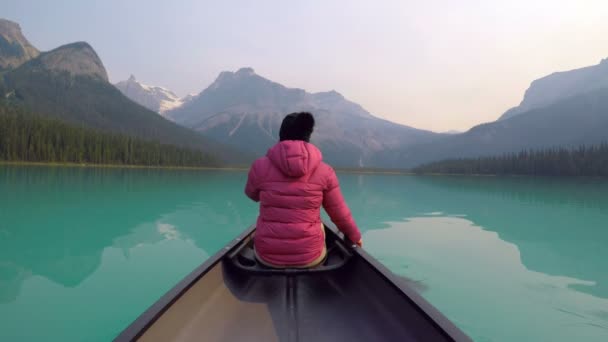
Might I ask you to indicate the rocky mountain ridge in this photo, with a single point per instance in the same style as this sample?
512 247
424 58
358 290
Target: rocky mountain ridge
560 85
15 49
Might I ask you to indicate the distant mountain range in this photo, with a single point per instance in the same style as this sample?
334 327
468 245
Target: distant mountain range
71 84
155 98
240 112
245 110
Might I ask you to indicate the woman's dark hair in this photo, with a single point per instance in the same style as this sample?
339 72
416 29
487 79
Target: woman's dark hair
297 126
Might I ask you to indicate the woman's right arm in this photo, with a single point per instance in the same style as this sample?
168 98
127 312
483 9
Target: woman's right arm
338 211
251 189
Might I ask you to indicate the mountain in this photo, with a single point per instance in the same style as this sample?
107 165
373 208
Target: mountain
564 109
157 99
70 83
245 110
559 85
14 47
77 59
570 122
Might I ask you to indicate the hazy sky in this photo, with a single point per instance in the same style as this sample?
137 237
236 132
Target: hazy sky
436 65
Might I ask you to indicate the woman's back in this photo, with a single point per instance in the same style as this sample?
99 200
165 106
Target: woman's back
292 183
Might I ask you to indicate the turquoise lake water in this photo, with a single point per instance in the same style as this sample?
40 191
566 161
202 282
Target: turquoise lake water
83 251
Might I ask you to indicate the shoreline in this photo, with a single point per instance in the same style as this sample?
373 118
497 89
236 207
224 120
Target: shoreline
219 168
119 166
375 172
246 168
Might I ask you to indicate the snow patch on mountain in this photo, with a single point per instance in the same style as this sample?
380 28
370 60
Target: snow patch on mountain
158 99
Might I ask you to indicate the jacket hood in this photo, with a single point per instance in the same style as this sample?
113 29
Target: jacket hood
295 158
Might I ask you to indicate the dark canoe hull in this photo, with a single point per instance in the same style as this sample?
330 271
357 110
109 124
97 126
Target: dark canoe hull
353 298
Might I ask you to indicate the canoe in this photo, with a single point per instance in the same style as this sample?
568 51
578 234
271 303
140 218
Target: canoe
349 297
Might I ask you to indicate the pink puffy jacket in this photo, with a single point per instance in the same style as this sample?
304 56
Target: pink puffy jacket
292 183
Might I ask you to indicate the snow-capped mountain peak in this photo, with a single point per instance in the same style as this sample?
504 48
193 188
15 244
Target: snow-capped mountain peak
155 98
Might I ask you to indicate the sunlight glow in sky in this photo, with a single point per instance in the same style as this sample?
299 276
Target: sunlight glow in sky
437 65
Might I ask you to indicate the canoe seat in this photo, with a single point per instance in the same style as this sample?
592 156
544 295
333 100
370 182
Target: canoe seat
244 258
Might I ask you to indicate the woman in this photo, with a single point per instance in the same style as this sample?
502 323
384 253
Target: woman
292 183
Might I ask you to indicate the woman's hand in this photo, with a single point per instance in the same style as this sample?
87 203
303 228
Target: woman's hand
360 243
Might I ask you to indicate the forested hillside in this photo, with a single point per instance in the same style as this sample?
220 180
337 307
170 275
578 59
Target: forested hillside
27 137
582 161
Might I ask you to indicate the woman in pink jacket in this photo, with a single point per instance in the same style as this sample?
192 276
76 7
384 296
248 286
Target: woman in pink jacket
292 183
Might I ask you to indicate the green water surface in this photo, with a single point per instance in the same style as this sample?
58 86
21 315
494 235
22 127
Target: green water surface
83 251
